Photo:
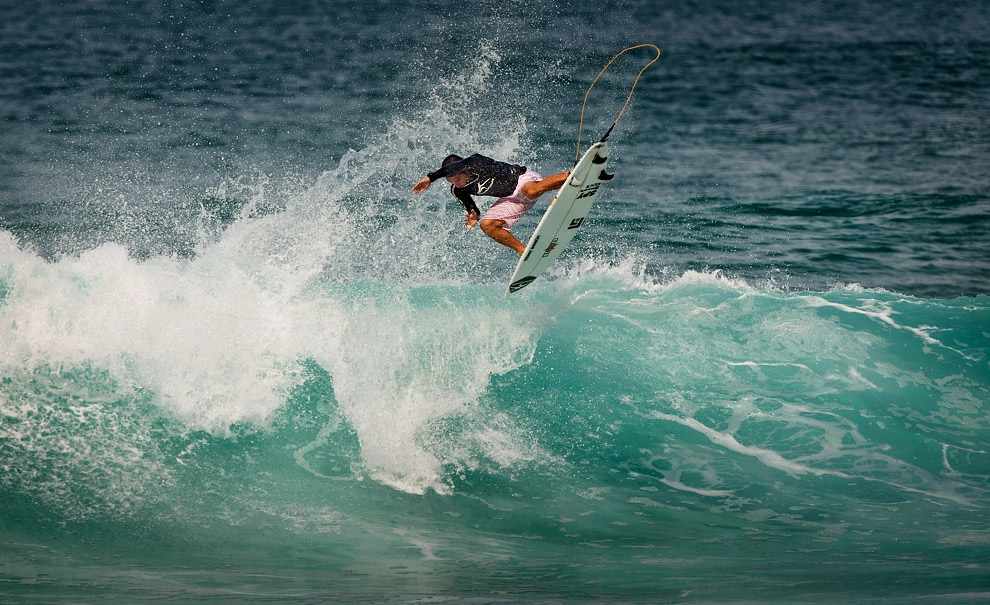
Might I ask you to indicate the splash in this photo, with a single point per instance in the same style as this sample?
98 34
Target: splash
381 291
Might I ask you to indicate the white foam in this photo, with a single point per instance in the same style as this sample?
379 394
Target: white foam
399 366
728 441
64 439
711 493
884 314
839 440
219 338
214 345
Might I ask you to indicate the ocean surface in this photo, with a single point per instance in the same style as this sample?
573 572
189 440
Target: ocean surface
240 362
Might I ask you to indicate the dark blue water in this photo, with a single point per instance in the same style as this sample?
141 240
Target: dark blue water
240 362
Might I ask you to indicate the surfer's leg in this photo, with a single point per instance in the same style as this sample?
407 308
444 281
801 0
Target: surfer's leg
494 229
535 189
507 211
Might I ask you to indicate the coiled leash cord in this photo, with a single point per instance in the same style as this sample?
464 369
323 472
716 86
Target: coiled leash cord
636 81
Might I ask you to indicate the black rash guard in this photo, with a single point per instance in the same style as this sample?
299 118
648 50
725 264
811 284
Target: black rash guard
488 177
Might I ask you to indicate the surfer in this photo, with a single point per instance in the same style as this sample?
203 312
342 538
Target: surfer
516 187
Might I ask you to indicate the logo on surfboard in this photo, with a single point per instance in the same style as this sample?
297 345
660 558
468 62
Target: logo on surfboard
519 284
553 244
532 246
589 191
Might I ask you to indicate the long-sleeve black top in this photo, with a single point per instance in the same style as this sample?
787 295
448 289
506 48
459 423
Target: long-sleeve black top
488 177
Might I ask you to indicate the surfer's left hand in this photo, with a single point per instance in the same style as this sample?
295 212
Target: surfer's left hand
470 220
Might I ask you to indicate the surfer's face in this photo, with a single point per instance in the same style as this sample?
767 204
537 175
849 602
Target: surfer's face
460 179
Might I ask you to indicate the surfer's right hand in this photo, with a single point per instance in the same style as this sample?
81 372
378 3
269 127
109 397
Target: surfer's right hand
470 220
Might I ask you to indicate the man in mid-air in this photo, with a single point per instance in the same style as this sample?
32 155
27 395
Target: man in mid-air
516 187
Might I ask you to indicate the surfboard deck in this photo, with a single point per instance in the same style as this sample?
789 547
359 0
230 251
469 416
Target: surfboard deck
564 217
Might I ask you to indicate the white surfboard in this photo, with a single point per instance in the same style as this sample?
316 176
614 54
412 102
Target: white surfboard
561 221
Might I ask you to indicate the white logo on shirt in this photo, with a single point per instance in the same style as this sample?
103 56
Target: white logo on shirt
484 186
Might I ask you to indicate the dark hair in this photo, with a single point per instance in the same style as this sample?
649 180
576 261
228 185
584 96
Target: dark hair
450 159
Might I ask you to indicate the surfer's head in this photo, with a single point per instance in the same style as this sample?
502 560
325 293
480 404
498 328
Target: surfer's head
461 178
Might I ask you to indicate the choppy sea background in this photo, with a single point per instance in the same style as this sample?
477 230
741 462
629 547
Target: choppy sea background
240 362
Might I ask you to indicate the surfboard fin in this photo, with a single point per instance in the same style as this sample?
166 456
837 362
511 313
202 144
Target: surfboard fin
605 138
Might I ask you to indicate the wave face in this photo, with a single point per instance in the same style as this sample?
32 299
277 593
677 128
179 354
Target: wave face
600 429
240 361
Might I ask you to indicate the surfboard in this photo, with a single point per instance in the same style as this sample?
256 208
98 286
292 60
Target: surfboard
564 217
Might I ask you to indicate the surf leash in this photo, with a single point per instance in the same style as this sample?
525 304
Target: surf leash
623 110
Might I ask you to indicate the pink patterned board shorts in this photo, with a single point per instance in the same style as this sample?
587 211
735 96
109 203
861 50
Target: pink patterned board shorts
512 207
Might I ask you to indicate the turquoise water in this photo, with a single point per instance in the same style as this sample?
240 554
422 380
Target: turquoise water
239 361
